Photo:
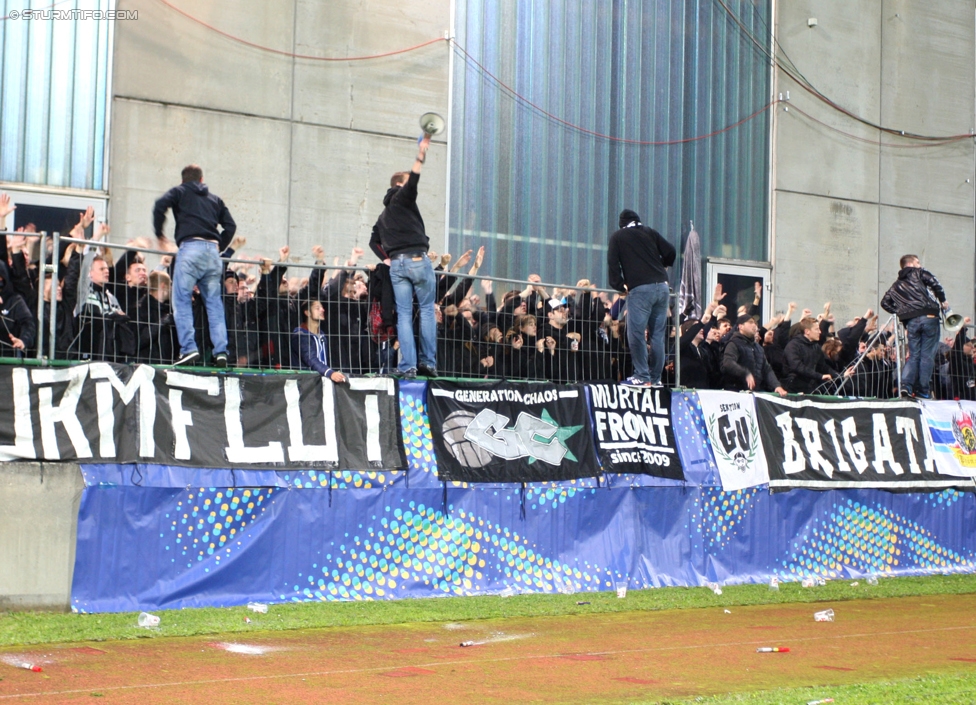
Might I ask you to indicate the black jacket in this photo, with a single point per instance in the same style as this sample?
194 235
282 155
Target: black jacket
637 254
197 213
696 360
805 365
915 293
400 227
742 357
16 318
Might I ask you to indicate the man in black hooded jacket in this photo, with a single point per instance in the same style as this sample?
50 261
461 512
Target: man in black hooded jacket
400 240
198 214
637 261
916 298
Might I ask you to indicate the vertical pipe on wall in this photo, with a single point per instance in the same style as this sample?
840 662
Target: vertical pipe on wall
447 134
771 189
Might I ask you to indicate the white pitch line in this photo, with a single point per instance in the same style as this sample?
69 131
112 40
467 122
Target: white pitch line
434 664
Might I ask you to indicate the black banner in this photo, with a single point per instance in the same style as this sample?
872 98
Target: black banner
827 445
502 432
633 430
102 412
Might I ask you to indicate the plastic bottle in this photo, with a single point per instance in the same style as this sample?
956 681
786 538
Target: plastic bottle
467 643
774 583
714 587
258 607
824 616
772 650
872 580
808 582
30 666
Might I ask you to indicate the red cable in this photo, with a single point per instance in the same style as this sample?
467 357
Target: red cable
272 50
878 143
593 133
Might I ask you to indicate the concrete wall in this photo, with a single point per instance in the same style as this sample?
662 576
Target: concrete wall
300 150
847 206
38 526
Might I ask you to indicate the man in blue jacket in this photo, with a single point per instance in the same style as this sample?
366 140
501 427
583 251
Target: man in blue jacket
309 348
637 259
197 213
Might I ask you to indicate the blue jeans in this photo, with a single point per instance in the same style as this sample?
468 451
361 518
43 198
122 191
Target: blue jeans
647 310
415 276
923 340
198 264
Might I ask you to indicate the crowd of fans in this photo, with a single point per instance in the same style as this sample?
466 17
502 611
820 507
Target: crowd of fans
111 307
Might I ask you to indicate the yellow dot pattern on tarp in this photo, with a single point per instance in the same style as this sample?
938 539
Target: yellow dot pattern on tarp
856 539
208 523
449 554
719 513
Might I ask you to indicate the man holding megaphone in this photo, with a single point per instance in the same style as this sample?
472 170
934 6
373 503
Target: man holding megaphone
916 298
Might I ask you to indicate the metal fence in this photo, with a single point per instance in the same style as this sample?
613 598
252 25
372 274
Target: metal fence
487 328
96 301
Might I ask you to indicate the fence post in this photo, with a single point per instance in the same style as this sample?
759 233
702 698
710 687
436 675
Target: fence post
898 351
55 278
41 271
677 344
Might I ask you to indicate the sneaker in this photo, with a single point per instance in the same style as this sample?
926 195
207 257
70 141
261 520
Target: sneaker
636 382
425 371
657 385
409 374
922 395
906 394
220 360
189 358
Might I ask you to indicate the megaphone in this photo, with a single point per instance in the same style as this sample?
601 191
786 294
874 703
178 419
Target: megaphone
431 123
952 321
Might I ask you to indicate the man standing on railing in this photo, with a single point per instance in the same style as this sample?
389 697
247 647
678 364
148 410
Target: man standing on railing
638 259
197 213
400 240
915 298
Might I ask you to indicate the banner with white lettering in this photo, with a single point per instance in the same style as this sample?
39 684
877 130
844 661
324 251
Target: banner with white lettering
827 445
730 419
951 427
102 412
505 432
633 429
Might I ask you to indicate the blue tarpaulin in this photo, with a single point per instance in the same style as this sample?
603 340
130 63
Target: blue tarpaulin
156 537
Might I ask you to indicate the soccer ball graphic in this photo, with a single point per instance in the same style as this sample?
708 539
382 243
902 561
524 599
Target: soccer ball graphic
463 450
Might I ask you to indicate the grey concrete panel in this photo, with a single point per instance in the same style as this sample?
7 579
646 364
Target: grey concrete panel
167 57
244 160
826 250
38 529
386 95
841 55
928 55
938 178
816 154
946 245
339 180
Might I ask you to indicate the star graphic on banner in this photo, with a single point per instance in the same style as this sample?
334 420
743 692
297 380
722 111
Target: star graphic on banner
562 433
